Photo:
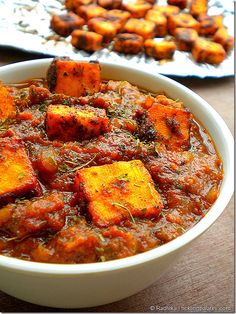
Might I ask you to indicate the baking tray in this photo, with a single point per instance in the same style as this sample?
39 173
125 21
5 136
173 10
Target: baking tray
24 24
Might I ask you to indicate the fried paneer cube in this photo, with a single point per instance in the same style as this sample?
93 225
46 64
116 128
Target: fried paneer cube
198 7
64 24
182 20
117 17
167 10
144 28
30 217
160 20
90 11
103 27
207 51
222 37
171 125
73 78
118 191
110 4
159 50
72 5
182 4
17 175
7 105
137 9
128 43
70 123
209 24
185 38
88 41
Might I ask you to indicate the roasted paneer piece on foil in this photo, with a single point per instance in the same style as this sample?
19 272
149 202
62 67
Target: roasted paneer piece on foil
64 24
87 41
7 105
160 20
164 49
128 43
73 78
198 7
185 38
137 9
70 123
182 20
144 28
17 175
119 191
222 37
208 51
104 27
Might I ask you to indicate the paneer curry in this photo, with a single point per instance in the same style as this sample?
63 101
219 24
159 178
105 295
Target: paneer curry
92 170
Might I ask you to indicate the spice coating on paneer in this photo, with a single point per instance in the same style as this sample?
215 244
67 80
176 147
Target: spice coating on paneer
159 50
64 24
128 43
73 78
167 10
88 41
103 27
182 20
17 175
72 5
198 7
179 3
70 123
138 9
222 37
26 218
207 51
172 125
160 20
146 29
90 11
116 192
185 38
7 105
209 24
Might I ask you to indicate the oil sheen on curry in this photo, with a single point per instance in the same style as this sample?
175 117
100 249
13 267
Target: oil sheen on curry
92 171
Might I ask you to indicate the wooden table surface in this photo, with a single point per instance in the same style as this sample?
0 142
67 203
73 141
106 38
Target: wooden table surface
202 280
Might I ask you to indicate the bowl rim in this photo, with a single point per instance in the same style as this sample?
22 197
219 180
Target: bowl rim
215 211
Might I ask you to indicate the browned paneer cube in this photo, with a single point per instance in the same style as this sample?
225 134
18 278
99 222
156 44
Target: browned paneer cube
137 9
167 10
90 11
29 217
119 191
172 125
198 7
128 43
88 41
64 24
185 38
159 50
160 20
222 37
182 4
117 17
17 175
73 78
209 24
144 28
7 105
103 27
71 123
207 51
72 5
110 4
182 20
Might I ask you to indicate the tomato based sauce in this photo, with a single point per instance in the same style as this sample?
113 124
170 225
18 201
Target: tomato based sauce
50 212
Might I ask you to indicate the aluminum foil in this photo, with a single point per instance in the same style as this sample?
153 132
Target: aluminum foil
24 24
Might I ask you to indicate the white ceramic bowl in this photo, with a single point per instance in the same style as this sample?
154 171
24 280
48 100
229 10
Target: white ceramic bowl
85 285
